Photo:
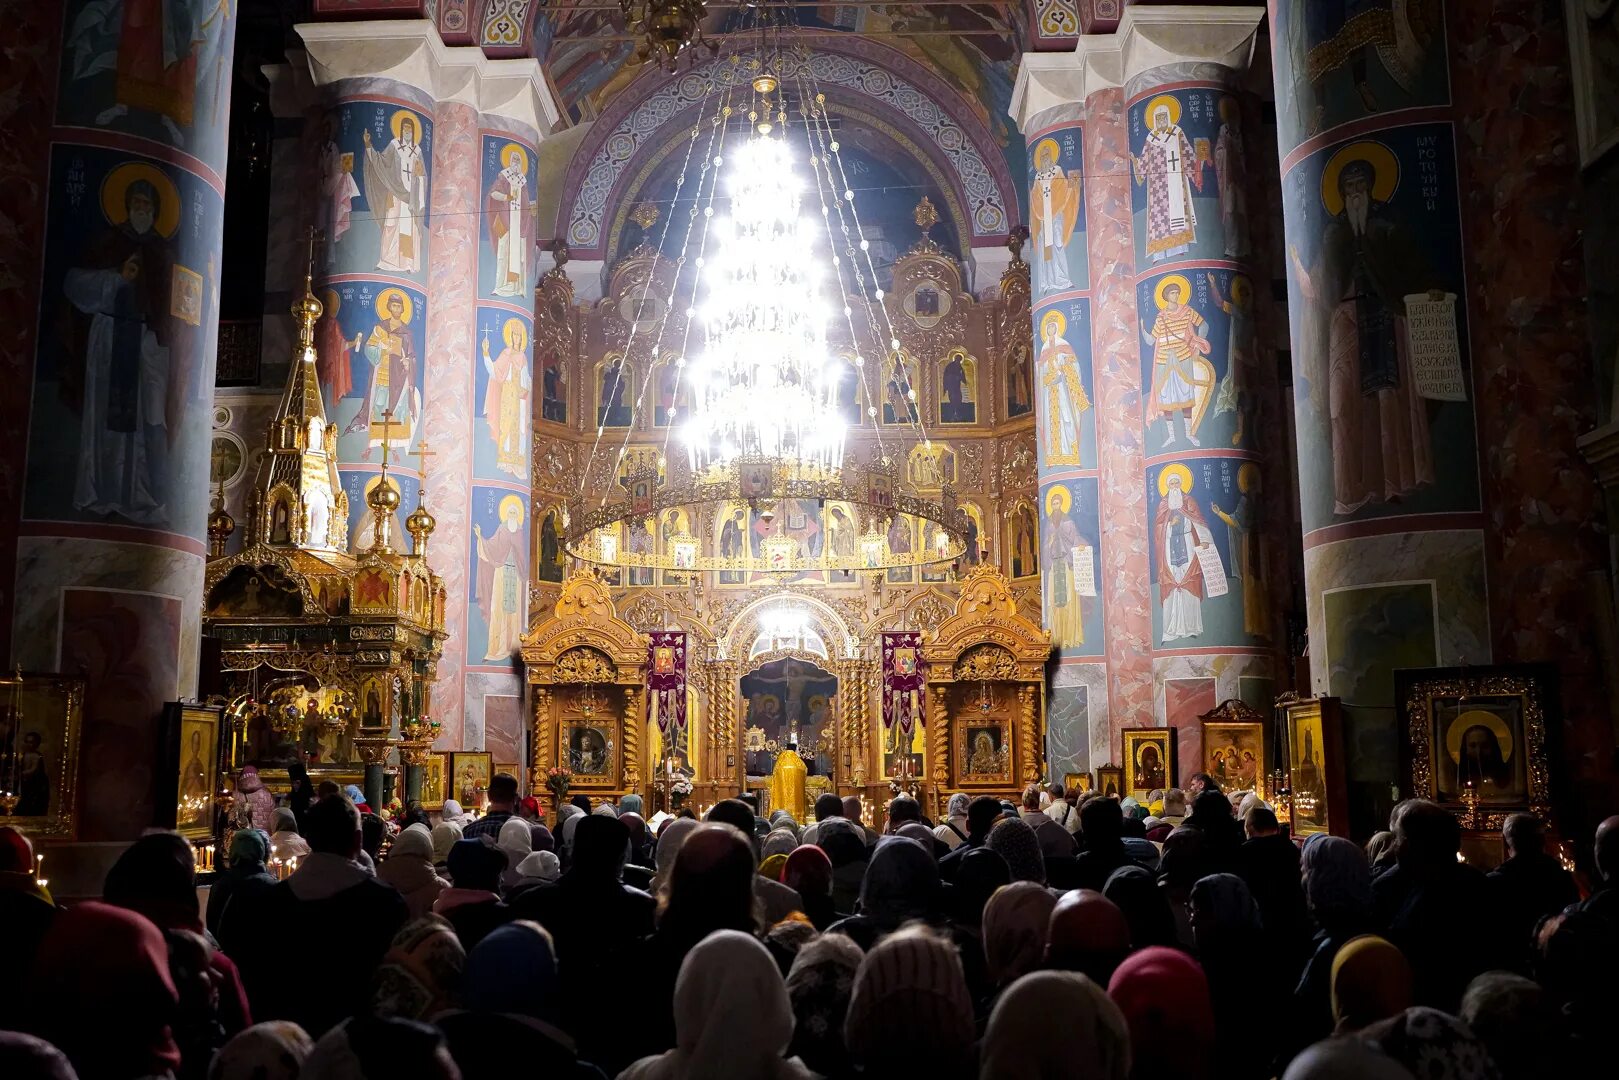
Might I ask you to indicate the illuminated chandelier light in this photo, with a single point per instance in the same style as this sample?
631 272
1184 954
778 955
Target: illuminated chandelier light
765 423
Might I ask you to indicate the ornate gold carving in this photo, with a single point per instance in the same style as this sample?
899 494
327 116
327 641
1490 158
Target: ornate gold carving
986 663
582 664
633 722
1033 748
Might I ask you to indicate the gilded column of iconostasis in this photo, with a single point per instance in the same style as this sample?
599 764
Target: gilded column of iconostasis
119 141
607 380
1206 387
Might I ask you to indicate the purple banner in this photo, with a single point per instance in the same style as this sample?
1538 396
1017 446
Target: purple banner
903 677
666 677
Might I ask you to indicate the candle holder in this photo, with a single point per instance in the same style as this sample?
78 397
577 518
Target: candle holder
1470 804
8 802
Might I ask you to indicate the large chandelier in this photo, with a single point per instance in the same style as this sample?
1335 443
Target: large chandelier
765 436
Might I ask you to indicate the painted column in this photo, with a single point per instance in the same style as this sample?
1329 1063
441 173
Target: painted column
1384 383
110 545
1048 106
1214 633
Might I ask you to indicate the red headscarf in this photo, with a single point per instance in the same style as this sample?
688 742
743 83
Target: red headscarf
1164 996
808 871
104 993
16 853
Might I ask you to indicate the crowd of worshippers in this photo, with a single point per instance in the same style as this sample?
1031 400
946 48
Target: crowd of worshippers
1074 935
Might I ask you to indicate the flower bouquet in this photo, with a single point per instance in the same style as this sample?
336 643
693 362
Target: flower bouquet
557 781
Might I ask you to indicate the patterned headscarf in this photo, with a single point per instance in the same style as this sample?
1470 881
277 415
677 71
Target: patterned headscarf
779 842
1014 840
819 985
274 1050
1433 1045
420 976
910 997
1337 878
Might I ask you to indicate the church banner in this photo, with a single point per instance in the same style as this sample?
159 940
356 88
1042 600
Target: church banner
666 677
903 677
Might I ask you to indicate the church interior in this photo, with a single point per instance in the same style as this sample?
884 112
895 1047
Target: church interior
457 412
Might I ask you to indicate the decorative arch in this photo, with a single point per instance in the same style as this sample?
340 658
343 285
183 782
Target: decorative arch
883 77
736 639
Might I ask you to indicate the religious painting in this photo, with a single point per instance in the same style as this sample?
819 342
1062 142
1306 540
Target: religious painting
226 458
1234 754
677 541
673 759
671 397
731 541
900 389
158 71
1478 734
933 536
1384 369
1018 364
380 358
40 720
930 466
1149 761
958 388
1066 422
1110 781
498 612
1059 261
435 770
843 540
1315 770
123 374
901 540
926 304
255 592
590 752
639 543
848 390
376 161
614 389
799 520
1077 782
1593 38
1338 63
1208 565
1070 593
1199 360
902 754
1022 541
191 735
976 548
357 485
550 555
983 751
1176 186
553 386
789 700
501 445
505 256
470 772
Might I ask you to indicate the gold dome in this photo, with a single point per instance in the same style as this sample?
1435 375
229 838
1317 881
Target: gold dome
384 497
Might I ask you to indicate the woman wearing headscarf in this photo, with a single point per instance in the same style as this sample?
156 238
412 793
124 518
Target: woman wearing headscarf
915 830
515 842
354 795
1087 934
1136 893
909 1013
1516 1020
454 814
541 837
258 803
514 1010
366 1046
245 876
537 870
819 986
273 1050
92 949
157 877
770 869
472 904
1185 861
1338 893
300 793
571 815
1164 997
901 884
952 831
1013 840
1345 1059
420 975
629 804
979 874
285 842
669 840
1016 920
808 872
445 835
732 1017
25 1057
640 847
844 844
1234 954
1433 1045
409 868
1051 1025
1371 981
779 842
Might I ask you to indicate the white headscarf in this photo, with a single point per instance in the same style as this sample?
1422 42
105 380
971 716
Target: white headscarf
571 816
445 834
732 1017
453 813
516 841
540 866
669 843
1055 1024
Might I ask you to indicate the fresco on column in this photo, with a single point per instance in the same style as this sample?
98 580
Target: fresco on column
124 370
1208 568
375 177
506 241
1070 581
159 71
497 606
371 368
1188 192
357 485
1380 350
1063 388
1340 62
1199 360
501 444
1060 262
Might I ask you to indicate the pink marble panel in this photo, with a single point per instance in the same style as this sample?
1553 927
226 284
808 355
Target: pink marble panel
449 413
1184 701
1118 416
1532 365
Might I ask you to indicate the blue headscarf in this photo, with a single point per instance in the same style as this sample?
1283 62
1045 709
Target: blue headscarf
514 970
629 804
356 796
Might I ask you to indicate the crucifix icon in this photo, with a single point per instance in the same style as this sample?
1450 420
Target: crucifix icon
422 453
1173 158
